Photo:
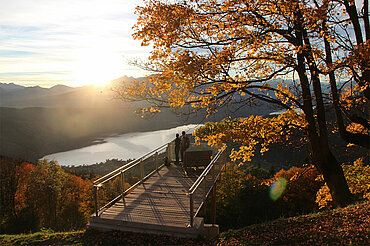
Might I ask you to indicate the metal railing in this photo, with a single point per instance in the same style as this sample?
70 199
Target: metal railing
148 164
206 183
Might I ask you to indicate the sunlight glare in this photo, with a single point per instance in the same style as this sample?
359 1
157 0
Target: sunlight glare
97 68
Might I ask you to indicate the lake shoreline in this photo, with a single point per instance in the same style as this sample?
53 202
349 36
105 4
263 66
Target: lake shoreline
119 146
100 139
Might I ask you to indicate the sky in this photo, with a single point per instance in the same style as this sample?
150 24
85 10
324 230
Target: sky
70 42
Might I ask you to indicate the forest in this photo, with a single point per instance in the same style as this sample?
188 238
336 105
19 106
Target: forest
45 195
41 195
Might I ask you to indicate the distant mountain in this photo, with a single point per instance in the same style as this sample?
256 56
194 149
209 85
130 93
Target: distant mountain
57 89
10 86
31 133
12 95
123 80
37 121
56 96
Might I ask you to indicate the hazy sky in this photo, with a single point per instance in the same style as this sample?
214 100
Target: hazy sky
72 42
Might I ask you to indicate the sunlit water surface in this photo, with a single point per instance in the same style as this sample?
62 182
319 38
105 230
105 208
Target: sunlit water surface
124 147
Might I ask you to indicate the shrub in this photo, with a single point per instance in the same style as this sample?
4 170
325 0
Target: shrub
258 172
300 193
243 195
242 199
230 185
358 179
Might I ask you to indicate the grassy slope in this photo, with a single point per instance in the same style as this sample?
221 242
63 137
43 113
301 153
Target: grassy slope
347 226
95 238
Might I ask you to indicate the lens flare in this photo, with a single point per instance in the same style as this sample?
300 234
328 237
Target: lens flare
277 188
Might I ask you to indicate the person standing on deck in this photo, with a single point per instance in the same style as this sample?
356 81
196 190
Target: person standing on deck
177 148
184 144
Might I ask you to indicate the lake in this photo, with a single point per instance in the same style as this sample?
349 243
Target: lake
124 147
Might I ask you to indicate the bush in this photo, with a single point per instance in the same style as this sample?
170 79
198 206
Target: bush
242 199
258 172
358 179
243 195
300 193
26 221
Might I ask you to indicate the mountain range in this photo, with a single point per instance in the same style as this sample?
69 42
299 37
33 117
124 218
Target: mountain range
13 95
36 121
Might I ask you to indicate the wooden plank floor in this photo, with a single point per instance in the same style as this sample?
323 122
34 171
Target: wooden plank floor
161 200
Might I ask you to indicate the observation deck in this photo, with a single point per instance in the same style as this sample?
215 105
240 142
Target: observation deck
165 199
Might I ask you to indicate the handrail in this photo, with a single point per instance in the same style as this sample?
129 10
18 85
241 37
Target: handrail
130 163
121 172
210 168
205 172
200 179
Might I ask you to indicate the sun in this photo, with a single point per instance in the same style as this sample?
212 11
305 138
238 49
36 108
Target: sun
97 68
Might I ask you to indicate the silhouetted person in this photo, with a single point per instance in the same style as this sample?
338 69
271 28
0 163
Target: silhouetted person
184 144
177 148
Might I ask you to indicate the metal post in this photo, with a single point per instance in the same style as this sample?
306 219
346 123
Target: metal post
213 206
225 162
191 210
213 202
220 179
123 183
169 152
213 173
141 169
205 197
156 160
96 198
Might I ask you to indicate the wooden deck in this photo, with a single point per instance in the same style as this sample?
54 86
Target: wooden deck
160 205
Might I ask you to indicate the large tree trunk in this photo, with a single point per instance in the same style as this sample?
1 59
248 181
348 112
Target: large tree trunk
328 166
324 160
352 12
321 155
334 178
366 19
355 138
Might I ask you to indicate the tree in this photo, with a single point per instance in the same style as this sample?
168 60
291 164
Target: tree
23 181
45 191
354 63
61 201
8 187
75 205
207 54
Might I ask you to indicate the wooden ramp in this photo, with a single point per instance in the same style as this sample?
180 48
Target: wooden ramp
160 205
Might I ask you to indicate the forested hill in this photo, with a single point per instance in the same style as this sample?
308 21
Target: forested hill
38 121
31 133
67 118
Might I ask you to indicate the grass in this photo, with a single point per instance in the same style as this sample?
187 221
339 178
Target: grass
345 226
91 237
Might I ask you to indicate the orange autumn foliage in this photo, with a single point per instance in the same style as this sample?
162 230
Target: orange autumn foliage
209 54
22 173
50 197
